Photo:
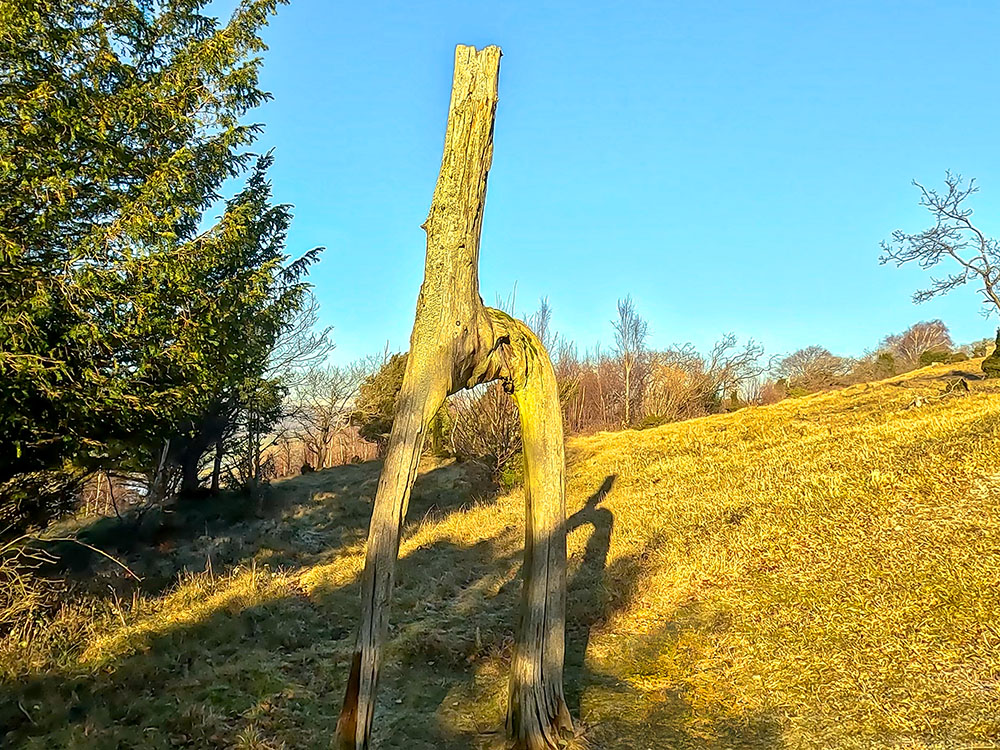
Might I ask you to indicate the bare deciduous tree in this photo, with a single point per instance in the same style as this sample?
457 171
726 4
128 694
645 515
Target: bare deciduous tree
813 368
540 322
953 238
631 332
682 383
926 336
485 427
731 366
324 401
302 345
675 387
262 416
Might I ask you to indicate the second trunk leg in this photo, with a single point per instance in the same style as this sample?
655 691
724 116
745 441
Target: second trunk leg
537 716
417 404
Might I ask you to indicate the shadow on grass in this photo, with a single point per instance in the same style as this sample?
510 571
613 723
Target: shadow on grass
270 674
299 521
588 602
623 717
613 714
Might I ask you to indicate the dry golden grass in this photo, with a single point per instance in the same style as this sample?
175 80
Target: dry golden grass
824 572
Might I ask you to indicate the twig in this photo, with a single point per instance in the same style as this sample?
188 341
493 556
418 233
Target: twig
25 712
111 494
113 559
118 605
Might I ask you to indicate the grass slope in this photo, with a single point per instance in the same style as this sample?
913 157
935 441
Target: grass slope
820 573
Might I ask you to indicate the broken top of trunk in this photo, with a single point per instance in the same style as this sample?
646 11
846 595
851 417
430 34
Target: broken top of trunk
457 343
449 299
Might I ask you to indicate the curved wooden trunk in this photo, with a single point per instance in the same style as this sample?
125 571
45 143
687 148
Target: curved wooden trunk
457 343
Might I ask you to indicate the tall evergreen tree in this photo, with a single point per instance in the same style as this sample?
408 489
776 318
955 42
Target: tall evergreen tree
120 120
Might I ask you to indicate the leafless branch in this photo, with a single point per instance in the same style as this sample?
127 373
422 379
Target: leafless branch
953 236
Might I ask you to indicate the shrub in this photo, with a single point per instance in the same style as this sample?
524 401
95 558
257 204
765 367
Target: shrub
981 348
23 595
991 365
486 427
934 357
375 409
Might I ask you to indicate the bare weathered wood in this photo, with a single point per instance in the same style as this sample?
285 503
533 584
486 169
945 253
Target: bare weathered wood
457 343
537 716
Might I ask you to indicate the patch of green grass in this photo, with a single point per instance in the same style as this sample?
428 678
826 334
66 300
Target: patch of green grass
824 572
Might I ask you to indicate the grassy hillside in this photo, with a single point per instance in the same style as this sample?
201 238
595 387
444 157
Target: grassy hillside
820 573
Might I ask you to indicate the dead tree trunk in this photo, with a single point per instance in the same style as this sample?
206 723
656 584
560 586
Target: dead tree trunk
457 343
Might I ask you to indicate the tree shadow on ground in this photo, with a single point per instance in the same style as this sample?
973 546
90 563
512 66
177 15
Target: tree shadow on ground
297 521
273 672
613 714
270 673
620 715
587 600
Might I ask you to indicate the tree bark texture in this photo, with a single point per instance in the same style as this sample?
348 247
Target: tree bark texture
457 343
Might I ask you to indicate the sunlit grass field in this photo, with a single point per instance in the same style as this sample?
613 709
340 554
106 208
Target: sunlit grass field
824 572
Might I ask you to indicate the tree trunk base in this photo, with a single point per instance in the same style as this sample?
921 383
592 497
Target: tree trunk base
538 722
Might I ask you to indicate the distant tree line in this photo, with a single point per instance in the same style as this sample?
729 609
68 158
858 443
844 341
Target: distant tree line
634 386
346 413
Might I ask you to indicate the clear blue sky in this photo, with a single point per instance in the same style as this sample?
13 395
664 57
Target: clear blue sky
732 166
